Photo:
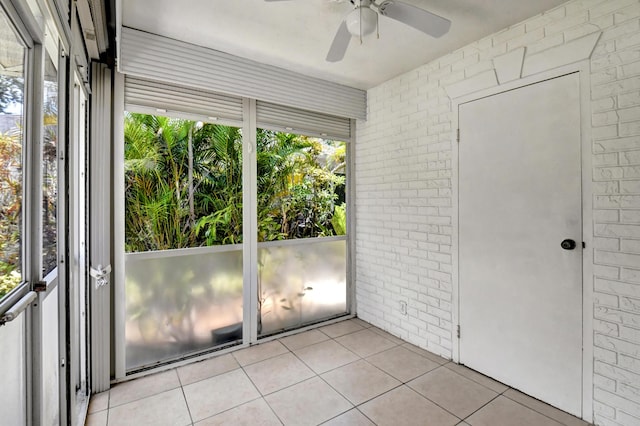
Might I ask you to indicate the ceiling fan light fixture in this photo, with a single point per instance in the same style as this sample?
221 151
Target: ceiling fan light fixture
362 21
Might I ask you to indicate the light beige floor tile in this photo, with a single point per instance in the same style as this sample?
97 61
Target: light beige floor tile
453 392
542 408
463 424
350 418
254 413
365 343
477 377
216 394
402 364
361 322
301 340
325 356
360 381
403 406
167 408
308 403
430 355
141 388
341 328
505 412
208 368
276 373
97 419
388 336
99 402
260 352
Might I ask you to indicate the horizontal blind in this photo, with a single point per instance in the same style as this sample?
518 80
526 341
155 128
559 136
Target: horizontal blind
277 117
163 59
151 96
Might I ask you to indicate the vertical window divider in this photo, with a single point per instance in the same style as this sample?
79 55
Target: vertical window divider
351 221
119 302
250 222
33 228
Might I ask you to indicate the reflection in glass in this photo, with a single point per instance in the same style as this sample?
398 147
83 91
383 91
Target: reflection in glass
12 66
301 283
181 301
50 168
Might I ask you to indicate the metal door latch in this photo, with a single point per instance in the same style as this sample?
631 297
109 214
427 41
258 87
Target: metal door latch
101 274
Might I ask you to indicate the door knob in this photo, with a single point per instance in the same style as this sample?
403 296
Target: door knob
568 244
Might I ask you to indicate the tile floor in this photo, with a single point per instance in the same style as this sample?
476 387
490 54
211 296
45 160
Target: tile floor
347 373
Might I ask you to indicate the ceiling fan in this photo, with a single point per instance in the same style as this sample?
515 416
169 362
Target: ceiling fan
363 20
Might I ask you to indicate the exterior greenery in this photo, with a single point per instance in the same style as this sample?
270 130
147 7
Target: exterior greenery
10 209
183 184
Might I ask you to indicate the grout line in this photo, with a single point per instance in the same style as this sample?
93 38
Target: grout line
536 411
430 400
255 346
272 410
108 406
186 403
231 408
473 380
482 406
365 416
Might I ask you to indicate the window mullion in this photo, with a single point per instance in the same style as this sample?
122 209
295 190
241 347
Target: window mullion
250 221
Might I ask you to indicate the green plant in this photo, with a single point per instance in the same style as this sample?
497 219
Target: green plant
10 209
339 219
9 278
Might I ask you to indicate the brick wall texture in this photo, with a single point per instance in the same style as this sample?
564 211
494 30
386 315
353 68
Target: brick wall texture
404 193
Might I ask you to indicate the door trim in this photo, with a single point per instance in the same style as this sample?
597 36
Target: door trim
583 70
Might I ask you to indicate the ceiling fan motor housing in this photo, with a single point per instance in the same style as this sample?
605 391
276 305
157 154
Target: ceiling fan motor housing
362 20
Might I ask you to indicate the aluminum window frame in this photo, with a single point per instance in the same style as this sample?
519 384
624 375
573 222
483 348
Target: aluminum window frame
249 126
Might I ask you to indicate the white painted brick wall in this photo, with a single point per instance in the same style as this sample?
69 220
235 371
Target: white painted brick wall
403 193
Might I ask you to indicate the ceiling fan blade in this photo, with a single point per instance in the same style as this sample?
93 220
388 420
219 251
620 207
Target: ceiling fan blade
415 17
340 43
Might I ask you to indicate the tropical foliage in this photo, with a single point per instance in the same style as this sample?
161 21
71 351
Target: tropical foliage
10 209
50 177
183 184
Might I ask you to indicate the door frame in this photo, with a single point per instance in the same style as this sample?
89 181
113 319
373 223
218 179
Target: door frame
583 70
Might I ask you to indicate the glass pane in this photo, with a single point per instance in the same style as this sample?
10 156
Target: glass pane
183 183
181 301
183 189
50 356
301 186
301 195
12 66
12 370
301 283
50 168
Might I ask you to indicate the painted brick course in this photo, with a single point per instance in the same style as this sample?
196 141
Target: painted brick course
404 193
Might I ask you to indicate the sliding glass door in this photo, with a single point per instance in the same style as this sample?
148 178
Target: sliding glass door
13 334
183 237
302 243
234 225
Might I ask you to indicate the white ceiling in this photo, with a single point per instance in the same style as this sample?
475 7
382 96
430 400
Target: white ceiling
296 34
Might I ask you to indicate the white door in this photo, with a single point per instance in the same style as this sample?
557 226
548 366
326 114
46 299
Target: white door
519 198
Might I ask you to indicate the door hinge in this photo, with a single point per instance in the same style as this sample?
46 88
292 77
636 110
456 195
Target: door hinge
458 135
584 245
458 331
